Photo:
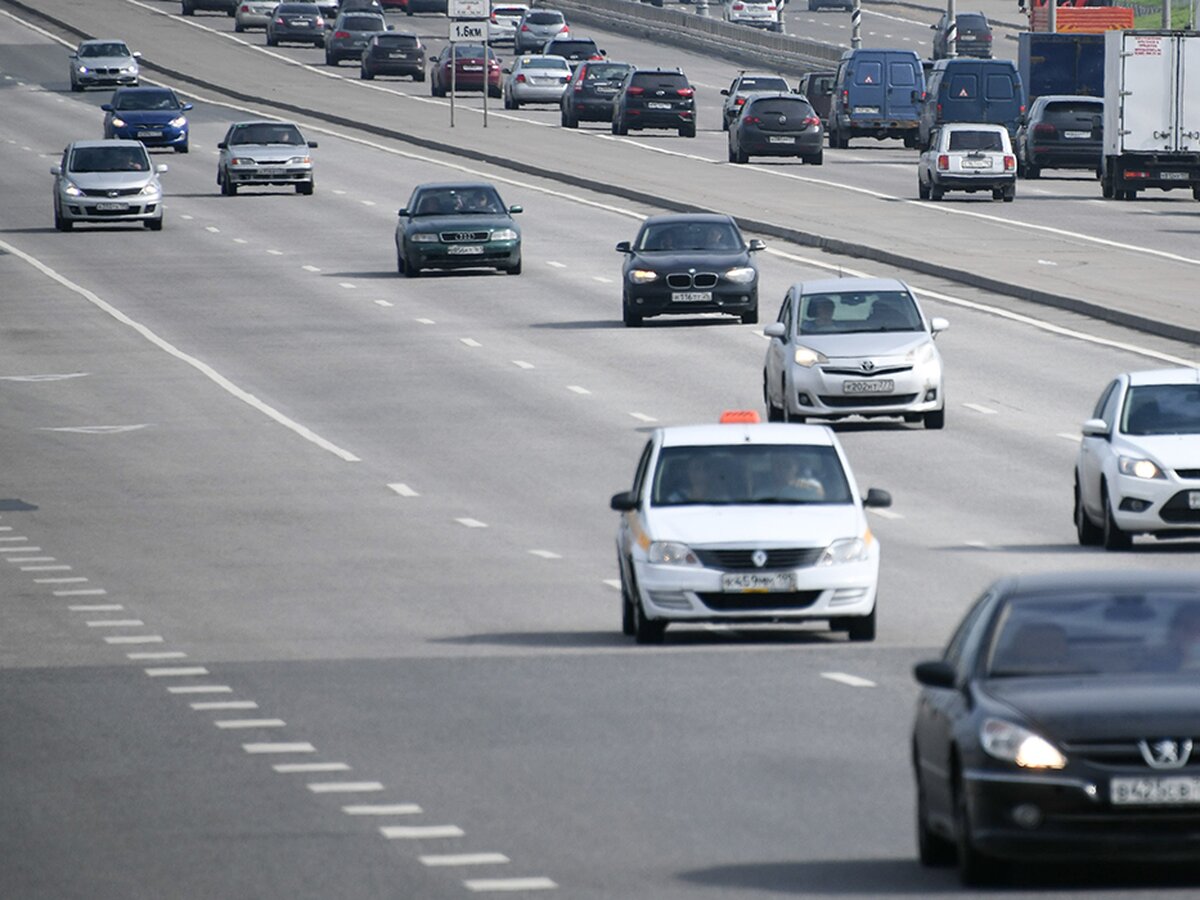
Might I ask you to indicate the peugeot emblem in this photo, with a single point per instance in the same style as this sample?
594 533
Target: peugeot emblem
1166 754
783 120
868 365
759 558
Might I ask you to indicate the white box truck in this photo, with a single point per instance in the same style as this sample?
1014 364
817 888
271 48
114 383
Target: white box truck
1151 112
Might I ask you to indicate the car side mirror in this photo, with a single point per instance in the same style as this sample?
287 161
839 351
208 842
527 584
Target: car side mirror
506 71
160 168
402 212
937 324
1095 428
391 28
187 106
107 107
56 170
312 145
513 210
222 145
724 92
775 330
935 673
877 498
604 53
756 245
934 27
624 501
137 55
624 247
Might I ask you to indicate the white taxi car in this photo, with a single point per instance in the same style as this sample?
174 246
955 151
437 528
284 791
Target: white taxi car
1138 470
744 522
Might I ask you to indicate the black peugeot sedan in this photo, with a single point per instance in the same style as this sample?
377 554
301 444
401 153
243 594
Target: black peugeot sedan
686 264
777 125
1059 724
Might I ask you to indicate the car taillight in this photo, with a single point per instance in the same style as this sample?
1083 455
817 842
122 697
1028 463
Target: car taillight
685 92
846 95
812 120
520 79
280 21
1010 163
493 18
636 91
524 27
564 29
752 120
320 21
943 162
578 86
1045 128
341 34
987 37
739 6
245 8
939 112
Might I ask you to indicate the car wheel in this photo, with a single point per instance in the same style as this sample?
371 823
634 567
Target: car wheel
188 9
419 76
1032 171
922 189
569 121
619 127
750 316
237 28
155 224
1010 193
628 616
271 41
181 148
436 90
935 192
975 869
1114 538
933 850
1089 533
997 193
724 123
789 416
647 631
514 270
228 187
305 187
815 159
936 420
60 223
330 60
688 131
862 628
401 268
76 87
774 413
740 156
631 319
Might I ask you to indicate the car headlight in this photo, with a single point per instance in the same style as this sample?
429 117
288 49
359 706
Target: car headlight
178 121
918 356
740 275
671 553
299 161
1138 467
808 358
642 276
128 69
424 238
118 122
241 161
82 70
71 190
847 550
1012 743
149 190
504 234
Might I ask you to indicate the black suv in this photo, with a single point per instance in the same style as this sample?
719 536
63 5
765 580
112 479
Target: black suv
655 98
229 7
573 50
394 53
974 36
589 95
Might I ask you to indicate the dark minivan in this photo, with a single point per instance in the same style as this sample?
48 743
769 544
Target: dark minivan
974 36
876 94
973 90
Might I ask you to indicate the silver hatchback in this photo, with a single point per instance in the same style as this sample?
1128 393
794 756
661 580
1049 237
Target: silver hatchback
107 181
253 14
538 26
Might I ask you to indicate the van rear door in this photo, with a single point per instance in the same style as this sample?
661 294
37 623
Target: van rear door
902 81
868 92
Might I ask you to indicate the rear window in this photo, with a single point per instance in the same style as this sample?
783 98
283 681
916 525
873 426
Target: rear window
602 72
544 62
668 80
567 48
509 11
903 74
762 84
972 22
999 87
364 23
976 140
964 86
1068 109
544 18
796 108
822 84
869 72
406 41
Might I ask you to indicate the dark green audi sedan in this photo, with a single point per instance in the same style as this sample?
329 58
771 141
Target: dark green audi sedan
457 226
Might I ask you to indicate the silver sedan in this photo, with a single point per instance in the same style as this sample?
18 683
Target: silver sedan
536 79
253 14
853 347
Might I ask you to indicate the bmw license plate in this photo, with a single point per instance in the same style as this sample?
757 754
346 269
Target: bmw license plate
465 250
1174 176
653 105
1167 790
757 582
113 207
149 134
881 386
777 139
691 297
1077 135
1193 499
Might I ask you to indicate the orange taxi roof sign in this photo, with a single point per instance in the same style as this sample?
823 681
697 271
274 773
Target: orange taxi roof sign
740 417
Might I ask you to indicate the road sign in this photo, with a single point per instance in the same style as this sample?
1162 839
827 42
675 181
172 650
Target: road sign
468 31
468 9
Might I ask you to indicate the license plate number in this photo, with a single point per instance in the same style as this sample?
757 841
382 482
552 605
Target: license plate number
776 139
397 56
149 134
464 250
1174 176
1077 135
977 163
472 68
882 386
691 297
605 89
866 109
1193 499
301 23
113 207
757 582
1179 790
653 105
270 171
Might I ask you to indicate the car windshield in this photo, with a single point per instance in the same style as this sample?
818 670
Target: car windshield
1100 632
854 312
364 23
671 237
109 159
457 201
602 72
762 84
128 100
112 48
976 140
1162 409
754 474
266 133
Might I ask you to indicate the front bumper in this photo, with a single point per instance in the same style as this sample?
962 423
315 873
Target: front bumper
496 254
274 175
137 208
93 78
818 392
1156 505
657 298
153 136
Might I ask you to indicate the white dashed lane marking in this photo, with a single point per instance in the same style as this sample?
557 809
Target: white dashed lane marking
212 229
81 592
470 342
642 417
546 554
348 285
19 549
557 265
134 639
384 303
29 559
116 623
176 671
45 568
508 885
13 539
521 364
426 321
249 723
96 607
383 809
420 832
403 489
463 859
76 579
310 269
980 408
289 768
223 704
471 523
887 514
613 583
574 388
268 747
1074 438
850 680
201 689
163 654
344 787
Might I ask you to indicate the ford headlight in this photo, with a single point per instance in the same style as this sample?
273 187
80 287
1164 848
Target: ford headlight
671 553
740 275
179 121
1012 743
1138 467
642 276
504 234
847 550
424 238
808 358
918 356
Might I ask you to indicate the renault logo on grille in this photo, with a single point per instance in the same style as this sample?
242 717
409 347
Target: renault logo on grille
759 558
1166 754
868 365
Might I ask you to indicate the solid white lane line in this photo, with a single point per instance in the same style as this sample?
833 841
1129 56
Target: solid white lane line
463 859
267 747
310 268
223 704
163 654
81 592
574 388
471 523
176 671
979 408
19 549
426 321
288 768
45 568
250 723
521 364
556 264
508 885
614 583
1073 438
344 787
135 639
546 554
96 607
851 680
887 514
73 580
201 689
115 623
197 364
383 809
470 342
420 832
642 417
403 489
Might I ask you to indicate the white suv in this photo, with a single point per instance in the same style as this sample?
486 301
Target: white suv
743 521
1138 470
756 13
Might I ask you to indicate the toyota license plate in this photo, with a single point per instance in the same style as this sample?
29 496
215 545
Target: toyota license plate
1193 499
1167 790
691 297
1174 176
465 250
881 386
777 139
757 582
149 134
653 105
113 207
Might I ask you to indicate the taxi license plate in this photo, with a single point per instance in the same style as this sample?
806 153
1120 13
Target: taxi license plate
1174 790
1174 176
757 582
653 105
866 109
464 250
691 297
113 207
1077 135
149 134
882 386
977 163
776 139
1193 499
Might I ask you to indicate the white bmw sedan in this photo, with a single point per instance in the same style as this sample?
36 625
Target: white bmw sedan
742 523
853 347
1138 470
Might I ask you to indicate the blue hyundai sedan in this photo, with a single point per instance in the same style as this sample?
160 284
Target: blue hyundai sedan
152 115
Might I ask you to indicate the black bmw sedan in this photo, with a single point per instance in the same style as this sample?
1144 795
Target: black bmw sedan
686 264
1059 724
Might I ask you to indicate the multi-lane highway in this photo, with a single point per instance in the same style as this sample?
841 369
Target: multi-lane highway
307 577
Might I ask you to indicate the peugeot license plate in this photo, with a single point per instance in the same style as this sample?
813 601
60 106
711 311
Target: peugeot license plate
757 582
1167 790
881 386
465 250
691 297
778 139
